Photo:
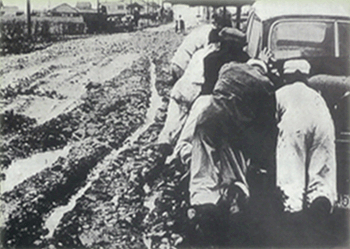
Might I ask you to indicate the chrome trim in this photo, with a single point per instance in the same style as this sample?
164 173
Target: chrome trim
336 40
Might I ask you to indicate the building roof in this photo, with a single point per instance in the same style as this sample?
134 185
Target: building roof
268 9
112 8
10 10
153 5
134 5
64 8
87 11
84 5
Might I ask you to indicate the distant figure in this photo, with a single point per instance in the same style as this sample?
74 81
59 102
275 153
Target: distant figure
182 25
176 26
170 16
136 17
198 19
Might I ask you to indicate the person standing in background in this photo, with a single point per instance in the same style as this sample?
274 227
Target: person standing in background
182 24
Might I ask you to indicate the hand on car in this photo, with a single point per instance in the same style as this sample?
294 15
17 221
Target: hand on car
266 56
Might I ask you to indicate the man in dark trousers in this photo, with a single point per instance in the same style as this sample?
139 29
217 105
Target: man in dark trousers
136 16
235 129
182 24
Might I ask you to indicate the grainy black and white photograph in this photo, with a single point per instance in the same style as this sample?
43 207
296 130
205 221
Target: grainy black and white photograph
174 124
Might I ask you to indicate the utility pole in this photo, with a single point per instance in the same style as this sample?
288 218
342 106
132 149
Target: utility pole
98 17
29 22
147 4
238 16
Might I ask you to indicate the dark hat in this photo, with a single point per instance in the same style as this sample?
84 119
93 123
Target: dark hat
222 18
232 34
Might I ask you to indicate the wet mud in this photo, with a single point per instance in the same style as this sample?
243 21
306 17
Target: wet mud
111 211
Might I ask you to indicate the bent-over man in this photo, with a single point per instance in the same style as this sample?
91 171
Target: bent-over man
305 157
237 123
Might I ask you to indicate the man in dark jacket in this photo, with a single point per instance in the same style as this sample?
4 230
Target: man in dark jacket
232 42
236 128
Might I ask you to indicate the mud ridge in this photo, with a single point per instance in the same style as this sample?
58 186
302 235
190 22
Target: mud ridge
104 113
111 213
24 221
24 85
26 205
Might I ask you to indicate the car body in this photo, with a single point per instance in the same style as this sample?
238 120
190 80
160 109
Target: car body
318 31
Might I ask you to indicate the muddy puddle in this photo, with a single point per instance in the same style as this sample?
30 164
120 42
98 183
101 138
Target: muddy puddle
57 213
22 169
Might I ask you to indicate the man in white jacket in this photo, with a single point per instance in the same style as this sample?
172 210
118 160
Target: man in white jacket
306 164
190 85
194 41
305 159
197 39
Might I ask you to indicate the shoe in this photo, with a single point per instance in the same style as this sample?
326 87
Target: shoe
243 194
320 208
235 198
165 149
208 225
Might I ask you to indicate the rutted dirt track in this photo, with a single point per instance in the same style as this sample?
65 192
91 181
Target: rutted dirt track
87 97
77 171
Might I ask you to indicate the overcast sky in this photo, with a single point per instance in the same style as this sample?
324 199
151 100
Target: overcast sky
44 4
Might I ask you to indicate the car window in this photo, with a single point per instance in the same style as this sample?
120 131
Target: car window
344 38
254 33
294 38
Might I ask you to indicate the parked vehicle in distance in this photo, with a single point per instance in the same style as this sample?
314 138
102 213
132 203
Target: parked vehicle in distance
120 23
320 33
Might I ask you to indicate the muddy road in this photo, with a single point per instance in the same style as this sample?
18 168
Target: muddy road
77 170
76 119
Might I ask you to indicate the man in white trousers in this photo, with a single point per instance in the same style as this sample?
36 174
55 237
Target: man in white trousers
306 164
305 157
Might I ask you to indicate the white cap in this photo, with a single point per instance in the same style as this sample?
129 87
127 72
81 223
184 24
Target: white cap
258 63
291 66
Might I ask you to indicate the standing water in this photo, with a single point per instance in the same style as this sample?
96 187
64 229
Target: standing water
155 102
22 169
57 214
